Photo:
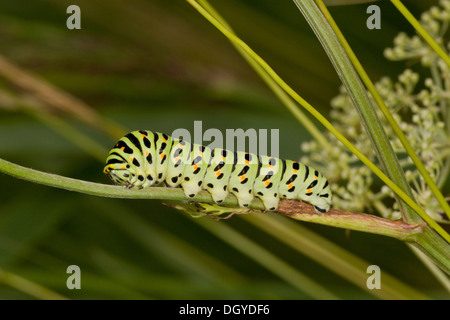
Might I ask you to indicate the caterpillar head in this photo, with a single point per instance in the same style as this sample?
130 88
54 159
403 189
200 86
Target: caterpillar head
120 173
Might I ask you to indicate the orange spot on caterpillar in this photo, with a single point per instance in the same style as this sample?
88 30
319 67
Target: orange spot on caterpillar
309 190
267 182
123 148
195 167
242 177
218 173
147 152
247 162
122 167
290 186
162 155
131 159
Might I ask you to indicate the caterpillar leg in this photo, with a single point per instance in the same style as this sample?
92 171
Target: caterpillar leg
270 200
243 200
321 206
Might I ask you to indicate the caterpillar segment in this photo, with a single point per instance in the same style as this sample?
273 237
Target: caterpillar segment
144 158
195 170
163 145
218 174
267 181
243 175
178 157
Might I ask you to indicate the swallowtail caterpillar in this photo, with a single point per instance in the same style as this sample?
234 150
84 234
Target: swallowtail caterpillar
144 158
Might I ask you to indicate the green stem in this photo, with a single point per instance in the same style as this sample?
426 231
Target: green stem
103 190
295 209
440 276
425 35
429 241
271 83
361 100
432 243
322 119
377 97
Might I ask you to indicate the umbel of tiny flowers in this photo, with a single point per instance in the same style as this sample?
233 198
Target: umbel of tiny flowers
421 108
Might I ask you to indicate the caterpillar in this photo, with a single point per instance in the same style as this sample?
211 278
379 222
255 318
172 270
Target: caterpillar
144 158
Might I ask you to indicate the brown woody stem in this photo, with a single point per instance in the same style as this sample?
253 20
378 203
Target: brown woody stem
350 220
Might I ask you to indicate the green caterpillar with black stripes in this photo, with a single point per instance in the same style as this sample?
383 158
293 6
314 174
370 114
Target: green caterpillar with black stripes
144 158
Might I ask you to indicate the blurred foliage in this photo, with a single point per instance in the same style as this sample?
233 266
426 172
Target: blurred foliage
155 64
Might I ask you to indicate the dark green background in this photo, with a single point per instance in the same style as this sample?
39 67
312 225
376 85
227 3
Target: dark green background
159 65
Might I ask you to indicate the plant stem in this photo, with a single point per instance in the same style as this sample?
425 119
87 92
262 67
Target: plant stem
271 83
425 35
361 101
440 276
377 97
350 220
322 119
102 190
295 209
429 241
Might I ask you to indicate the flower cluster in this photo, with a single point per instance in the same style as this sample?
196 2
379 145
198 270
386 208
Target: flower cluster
421 108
